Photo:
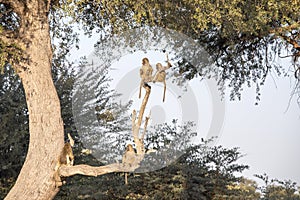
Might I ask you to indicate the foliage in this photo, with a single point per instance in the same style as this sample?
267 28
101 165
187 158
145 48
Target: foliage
102 123
274 189
166 143
190 177
14 135
244 38
219 166
244 189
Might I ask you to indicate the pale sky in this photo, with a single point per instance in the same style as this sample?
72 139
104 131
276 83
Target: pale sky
267 135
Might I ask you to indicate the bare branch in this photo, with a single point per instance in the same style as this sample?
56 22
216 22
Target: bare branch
139 142
145 127
285 56
71 140
88 170
144 103
297 73
133 121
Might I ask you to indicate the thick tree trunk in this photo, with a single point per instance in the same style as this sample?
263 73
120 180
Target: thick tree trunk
35 180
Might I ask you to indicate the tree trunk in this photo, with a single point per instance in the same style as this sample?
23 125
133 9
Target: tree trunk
35 180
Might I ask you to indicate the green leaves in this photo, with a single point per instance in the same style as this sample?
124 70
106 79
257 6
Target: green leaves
274 189
14 128
9 53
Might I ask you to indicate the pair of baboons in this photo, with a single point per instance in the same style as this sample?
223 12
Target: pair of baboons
146 72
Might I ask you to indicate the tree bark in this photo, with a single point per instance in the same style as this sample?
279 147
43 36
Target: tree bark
35 180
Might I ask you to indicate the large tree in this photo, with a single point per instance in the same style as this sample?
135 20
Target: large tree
242 36
25 43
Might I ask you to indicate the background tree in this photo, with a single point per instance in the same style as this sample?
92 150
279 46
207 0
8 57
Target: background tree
244 189
14 120
192 176
277 189
14 135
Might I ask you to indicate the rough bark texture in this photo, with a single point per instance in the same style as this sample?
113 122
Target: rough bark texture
88 170
35 180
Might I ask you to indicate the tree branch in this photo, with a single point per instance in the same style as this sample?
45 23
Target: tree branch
281 32
133 122
144 103
292 42
88 170
139 142
145 127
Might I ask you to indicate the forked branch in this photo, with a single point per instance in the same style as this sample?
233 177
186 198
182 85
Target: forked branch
87 170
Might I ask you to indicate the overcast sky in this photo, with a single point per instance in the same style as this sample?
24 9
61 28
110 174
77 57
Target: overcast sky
268 134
